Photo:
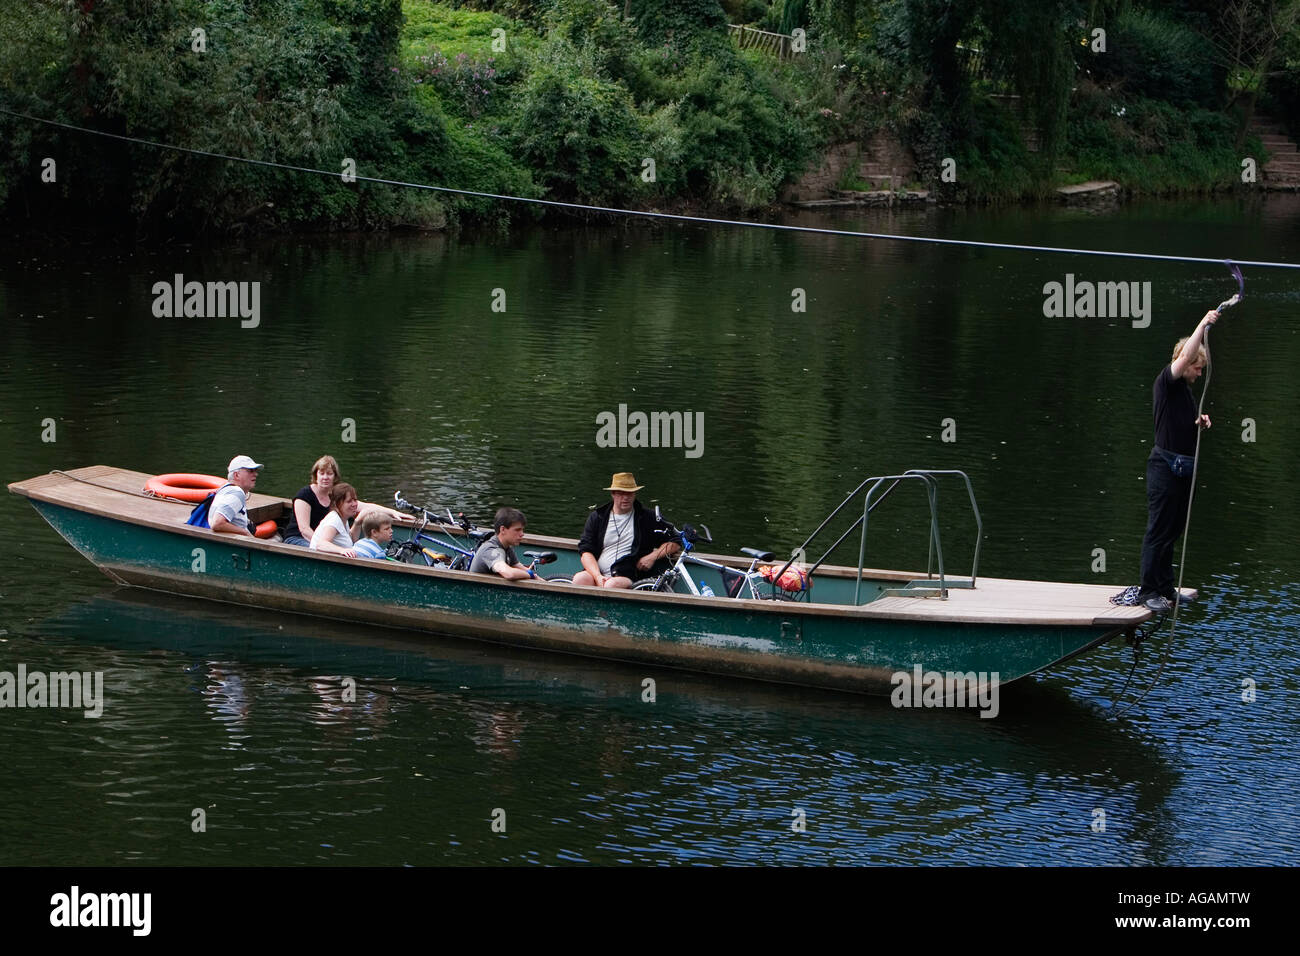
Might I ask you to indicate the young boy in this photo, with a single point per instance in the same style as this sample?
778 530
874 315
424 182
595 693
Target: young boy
376 533
497 554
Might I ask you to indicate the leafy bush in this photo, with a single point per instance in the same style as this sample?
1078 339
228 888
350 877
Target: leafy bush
1149 145
464 84
1152 55
576 129
699 24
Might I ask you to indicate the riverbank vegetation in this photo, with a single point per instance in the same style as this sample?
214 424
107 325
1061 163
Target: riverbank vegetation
655 104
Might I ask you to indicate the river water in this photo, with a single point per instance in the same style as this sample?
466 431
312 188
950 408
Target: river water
388 353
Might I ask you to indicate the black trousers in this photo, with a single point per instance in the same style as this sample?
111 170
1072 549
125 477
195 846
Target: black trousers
1167 499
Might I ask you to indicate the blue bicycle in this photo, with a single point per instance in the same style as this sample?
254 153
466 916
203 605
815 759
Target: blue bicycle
432 551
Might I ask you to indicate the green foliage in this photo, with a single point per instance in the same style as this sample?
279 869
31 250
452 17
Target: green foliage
740 132
1151 146
1150 54
1032 42
1282 92
575 128
598 29
992 161
303 82
581 96
435 26
695 23
794 14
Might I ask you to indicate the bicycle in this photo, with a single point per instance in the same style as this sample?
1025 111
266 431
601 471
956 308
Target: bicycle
738 584
413 550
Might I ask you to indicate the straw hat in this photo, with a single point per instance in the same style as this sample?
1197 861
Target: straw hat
624 481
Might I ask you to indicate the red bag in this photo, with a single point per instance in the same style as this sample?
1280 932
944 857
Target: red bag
793 580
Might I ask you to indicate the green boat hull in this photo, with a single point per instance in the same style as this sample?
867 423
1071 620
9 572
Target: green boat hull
822 645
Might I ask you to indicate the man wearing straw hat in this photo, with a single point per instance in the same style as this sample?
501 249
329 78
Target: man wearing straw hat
617 545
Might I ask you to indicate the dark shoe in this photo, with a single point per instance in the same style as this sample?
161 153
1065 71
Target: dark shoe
1158 603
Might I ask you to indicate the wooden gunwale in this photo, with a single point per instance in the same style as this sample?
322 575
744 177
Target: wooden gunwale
993 601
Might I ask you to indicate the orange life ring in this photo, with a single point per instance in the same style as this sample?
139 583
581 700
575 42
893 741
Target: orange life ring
183 486
265 529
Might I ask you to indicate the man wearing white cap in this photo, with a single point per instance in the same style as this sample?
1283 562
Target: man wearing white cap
229 511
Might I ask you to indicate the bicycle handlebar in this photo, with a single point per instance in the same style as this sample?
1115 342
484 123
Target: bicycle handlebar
434 517
686 533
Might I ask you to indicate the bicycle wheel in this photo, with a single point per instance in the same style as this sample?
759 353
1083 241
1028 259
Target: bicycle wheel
567 579
649 584
408 553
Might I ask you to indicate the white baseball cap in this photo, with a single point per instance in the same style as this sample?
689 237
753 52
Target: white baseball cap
241 461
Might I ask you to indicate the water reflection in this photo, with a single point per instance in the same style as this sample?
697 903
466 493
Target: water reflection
710 772
226 694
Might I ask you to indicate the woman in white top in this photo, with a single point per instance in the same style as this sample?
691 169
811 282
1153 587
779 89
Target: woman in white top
332 535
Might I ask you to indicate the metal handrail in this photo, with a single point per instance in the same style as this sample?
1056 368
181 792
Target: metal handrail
802 549
929 477
931 492
979 522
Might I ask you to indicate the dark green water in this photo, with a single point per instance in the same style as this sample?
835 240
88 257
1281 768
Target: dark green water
236 712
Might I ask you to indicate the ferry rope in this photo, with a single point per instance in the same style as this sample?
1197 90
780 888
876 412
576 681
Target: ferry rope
122 491
676 217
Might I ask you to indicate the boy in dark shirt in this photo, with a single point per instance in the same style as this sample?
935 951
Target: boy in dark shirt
1169 477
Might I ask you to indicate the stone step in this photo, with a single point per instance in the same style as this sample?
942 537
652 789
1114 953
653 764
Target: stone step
884 172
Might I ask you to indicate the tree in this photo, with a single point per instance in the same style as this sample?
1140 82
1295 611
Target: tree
1247 44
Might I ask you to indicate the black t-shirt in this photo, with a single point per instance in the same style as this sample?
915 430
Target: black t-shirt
1174 407
318 512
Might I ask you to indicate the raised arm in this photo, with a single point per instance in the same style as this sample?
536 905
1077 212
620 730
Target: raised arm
403 517
1191 350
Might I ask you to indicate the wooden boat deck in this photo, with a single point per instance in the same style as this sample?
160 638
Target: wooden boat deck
1024 602
119 493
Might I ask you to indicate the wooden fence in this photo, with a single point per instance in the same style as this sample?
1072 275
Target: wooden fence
777 44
